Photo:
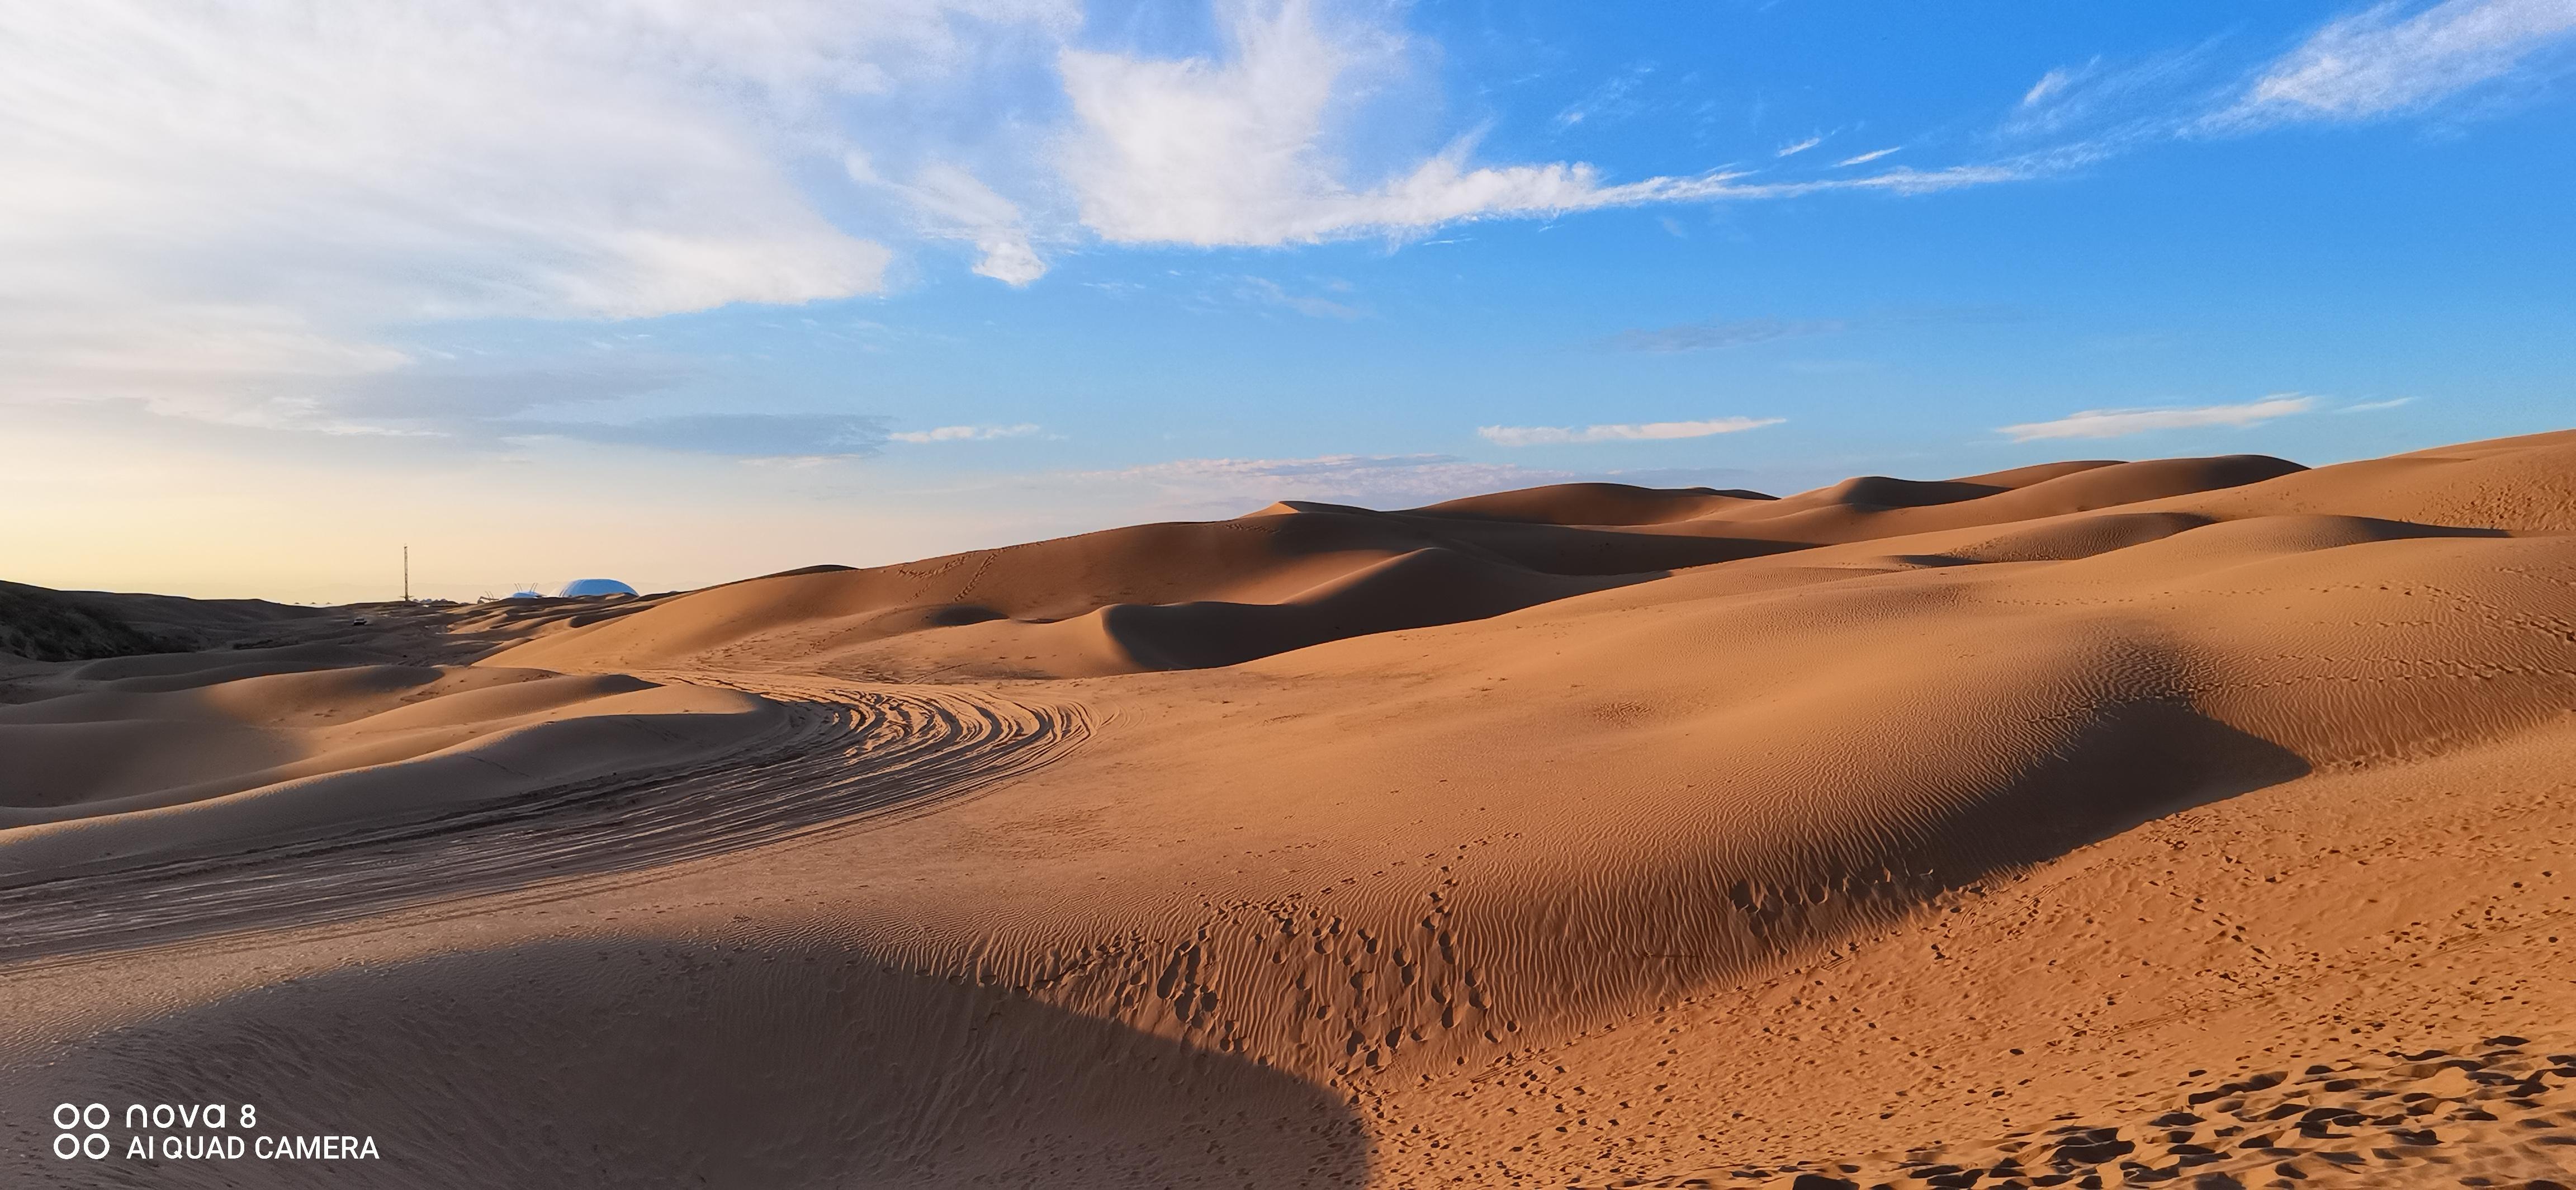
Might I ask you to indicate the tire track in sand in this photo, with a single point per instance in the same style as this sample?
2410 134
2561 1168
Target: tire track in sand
846 758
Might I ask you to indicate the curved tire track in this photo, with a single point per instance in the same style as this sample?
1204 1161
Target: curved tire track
845 759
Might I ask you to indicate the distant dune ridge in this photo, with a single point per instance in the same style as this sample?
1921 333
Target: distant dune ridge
1297 573
2200 822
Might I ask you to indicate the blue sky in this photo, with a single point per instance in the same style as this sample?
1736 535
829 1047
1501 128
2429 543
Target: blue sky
684 293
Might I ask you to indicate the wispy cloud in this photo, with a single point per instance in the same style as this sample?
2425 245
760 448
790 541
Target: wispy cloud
955 205
2382 61
2049 85
741 435
1866 158
1722 332
2116 423
1265 291
450 399
1719 333
1796 147
964 433
1337 464
2373 406
2119 104
2388 60
1614 98
1653 431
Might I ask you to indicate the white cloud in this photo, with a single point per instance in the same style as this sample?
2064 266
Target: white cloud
1793 149
256 190
1240 151
1653 431
225 209
965 433
2115 423
232 210
1204 153
2376 62
1866 158
2374 406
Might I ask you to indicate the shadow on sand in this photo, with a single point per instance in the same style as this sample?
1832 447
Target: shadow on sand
637 1063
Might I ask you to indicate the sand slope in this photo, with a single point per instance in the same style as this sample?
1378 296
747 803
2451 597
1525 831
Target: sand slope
180 753
1584 836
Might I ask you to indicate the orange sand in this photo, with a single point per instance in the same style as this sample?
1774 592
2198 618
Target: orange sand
2142 822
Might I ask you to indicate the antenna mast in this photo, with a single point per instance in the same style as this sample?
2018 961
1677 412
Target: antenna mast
406 574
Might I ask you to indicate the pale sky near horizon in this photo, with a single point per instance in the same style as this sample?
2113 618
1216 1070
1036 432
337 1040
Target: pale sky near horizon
680 293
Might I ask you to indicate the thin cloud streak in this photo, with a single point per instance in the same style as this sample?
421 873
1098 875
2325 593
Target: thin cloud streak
1264 291
777 436
964 433
1653 431
1721 333
2118 423
2049 84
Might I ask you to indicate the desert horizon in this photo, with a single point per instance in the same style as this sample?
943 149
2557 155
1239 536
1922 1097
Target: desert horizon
2198 820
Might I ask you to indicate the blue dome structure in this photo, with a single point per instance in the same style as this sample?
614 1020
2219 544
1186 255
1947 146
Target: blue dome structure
524 595
595 586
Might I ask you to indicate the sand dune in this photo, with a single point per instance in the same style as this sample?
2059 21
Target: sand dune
1295 574
2199 821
